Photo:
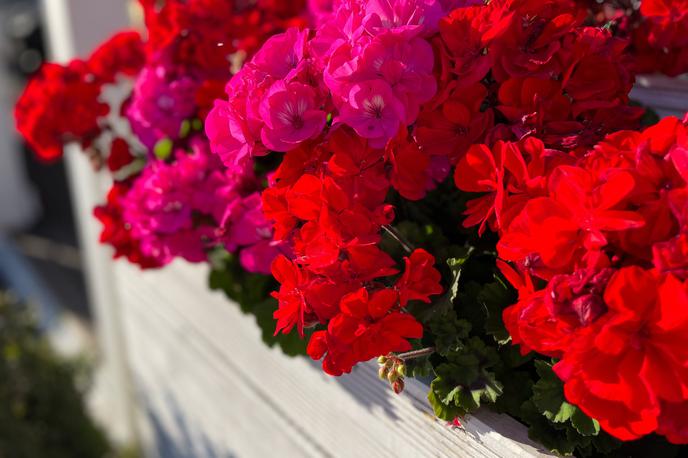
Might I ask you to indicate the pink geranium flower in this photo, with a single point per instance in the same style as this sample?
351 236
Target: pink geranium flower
406 65
281 54
410 17
290 115
373 112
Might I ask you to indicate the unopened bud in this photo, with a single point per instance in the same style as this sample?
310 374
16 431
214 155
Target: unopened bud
382 372
185 129
163 149
398 386
392 376
382 360
401 370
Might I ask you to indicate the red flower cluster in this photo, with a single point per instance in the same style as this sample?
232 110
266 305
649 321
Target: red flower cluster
517 68
71 113
663 36
607 231
328 201
657 29
207 33
61 104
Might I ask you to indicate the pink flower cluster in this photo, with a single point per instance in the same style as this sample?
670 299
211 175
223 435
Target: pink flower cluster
186 207
367 66
163 97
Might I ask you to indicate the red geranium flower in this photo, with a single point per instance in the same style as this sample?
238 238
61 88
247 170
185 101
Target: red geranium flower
60 104
420 279
293 309
369 325
634 357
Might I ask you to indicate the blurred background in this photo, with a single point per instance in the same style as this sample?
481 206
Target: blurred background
36 217
46 326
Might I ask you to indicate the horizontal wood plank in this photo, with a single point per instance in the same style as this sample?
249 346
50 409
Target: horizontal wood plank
206 382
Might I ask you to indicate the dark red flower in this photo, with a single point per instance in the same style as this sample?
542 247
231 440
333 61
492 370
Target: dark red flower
672 422
59 105
293 310
458 122
123 53
120 155
633 357
410 167
420 279
463 34
369 325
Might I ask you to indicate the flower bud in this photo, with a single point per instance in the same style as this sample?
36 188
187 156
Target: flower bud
185 129
382 360
383 372
398 386
392 376
401 370
163 149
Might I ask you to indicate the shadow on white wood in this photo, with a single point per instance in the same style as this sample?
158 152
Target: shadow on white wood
208 386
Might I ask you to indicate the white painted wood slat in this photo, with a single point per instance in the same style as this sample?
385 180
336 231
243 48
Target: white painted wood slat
197 361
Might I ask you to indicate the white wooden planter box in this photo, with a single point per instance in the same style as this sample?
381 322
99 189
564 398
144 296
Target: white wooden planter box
205 385
187 375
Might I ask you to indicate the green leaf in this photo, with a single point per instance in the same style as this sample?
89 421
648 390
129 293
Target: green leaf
449 332
464 381
548 394
517 390
419 367
446 304
553 436
495 297
443 411
585 425
456 266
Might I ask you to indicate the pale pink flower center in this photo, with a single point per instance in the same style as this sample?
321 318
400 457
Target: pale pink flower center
374 106
292 114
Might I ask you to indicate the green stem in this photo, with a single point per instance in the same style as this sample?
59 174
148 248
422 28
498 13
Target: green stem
399 238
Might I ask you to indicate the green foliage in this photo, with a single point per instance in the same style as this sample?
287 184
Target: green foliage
474 363
548 395
558 425
449 332
42 414
465 380
493 297
252 293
